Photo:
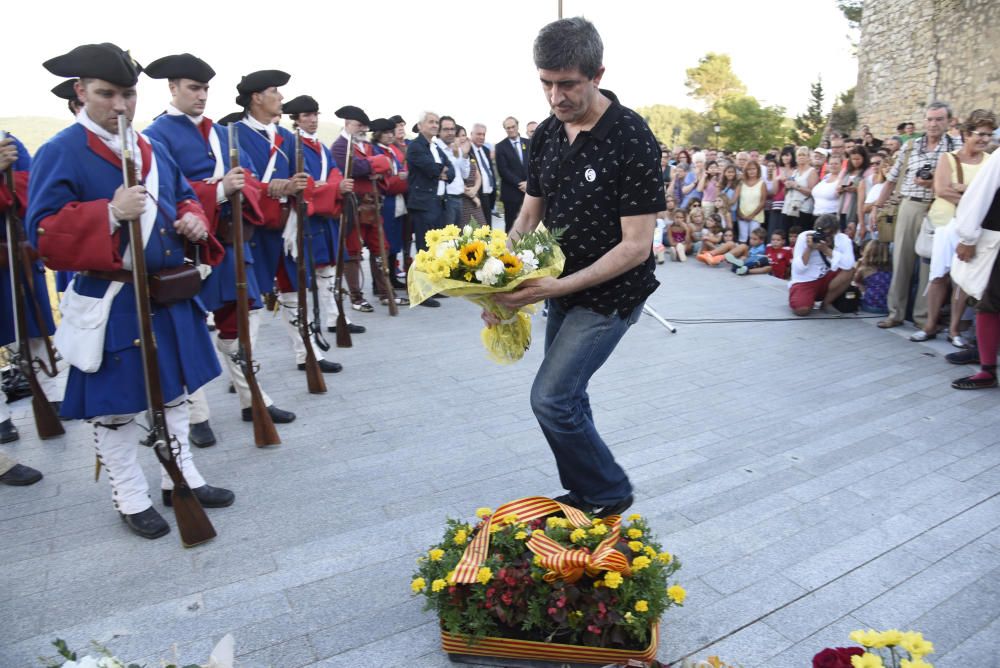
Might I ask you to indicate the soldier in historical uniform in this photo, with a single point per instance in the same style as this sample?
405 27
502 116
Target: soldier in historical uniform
201 150
76 215
394 187
270 149
367 168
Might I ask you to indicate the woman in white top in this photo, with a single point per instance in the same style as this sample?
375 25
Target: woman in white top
825 196
751 198
798 207
954 172
866 231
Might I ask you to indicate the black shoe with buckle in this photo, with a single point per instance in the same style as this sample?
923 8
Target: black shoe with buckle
326 366
278 416
8 432
20 475
148 524
200 435
208 497
351 327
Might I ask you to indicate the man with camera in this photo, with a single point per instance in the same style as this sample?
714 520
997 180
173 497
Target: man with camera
920 155
822 266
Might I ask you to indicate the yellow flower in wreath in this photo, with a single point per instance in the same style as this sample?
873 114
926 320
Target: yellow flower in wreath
418 585
472 254
511 264
438 585
613 579
461 536
578 535
677 594
642 606
484 575
435 554
483 512
640 563
635 546
635 534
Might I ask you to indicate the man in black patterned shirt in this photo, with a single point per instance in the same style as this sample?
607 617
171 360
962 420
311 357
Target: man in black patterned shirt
594 169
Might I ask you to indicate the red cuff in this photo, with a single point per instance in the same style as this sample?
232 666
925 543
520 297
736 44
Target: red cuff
21 186
207 195
77 238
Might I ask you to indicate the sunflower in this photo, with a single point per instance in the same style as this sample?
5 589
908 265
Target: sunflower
511 264
472 254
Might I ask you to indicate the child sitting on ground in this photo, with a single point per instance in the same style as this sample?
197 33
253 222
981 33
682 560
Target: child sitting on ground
680 236
723 209
659 250
717 254
872 275
753 255
793 235
779 256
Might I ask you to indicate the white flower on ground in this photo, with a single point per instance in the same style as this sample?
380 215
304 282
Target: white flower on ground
491 272
528 260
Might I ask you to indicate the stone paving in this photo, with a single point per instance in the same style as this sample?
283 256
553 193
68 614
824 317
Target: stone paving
814 477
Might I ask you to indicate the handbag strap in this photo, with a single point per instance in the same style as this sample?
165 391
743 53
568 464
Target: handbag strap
958 167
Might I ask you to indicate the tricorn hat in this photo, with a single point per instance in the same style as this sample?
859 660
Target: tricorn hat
180 66
229 119
351 113
381 125
397 119
99 61
257 81
66 90
303 104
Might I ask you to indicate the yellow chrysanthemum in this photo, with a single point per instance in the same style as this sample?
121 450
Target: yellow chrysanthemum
449 232
677 594
640 563
649 552
510 518
629 616
664 557
484 575
537 560
599 530
433 238
537 532
867 661
483 512
482 232
635 546
578 535
472 254
449 256
642 606
495 526
634 534
418 585
498 235
556 522
435 554
867 638
520 535
915 663
420 261
633 517
914 643
890 638
438 585
612 579
596 521
461 536
498 248
450 577
598 584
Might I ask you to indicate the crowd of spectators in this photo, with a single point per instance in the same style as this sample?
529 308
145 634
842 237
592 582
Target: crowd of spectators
856 223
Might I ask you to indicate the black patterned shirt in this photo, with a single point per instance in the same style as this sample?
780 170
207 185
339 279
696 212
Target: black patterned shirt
609 172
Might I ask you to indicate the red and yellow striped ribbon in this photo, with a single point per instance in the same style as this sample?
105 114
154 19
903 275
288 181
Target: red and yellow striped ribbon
547 651
526 509
570 564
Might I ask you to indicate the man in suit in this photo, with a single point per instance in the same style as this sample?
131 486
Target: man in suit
488 182
430 172
512 166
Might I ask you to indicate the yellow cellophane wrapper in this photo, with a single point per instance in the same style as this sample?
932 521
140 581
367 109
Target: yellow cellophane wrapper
505 343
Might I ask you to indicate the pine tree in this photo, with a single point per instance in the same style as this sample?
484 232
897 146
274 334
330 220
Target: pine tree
808 128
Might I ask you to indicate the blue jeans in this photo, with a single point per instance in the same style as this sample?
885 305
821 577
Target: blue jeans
453 212
577 343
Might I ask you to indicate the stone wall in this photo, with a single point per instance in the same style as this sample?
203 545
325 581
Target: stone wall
913 52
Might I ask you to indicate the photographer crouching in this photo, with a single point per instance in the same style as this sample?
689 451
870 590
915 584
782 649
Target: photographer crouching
822 266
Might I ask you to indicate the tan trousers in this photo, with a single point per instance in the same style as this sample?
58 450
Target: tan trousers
908 220
6 463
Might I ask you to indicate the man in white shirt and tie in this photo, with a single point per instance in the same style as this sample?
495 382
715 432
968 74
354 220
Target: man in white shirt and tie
457 152
481 154
512 167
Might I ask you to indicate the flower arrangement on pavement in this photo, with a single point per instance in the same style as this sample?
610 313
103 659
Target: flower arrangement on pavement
536 569
478 263
879 649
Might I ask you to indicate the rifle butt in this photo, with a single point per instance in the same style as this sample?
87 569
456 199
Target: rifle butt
314 377
343 333
46 421
264 431
393 307
192 522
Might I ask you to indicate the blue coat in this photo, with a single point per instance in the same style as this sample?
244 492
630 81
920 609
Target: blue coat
425 175
41 293
266 244
193 154
75 177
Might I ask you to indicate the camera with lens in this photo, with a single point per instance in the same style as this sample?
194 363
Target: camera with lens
926 172
819 236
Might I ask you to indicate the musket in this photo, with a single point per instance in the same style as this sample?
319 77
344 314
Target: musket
192 522
314 377
264 432
382 255
314 327
343 333
19 260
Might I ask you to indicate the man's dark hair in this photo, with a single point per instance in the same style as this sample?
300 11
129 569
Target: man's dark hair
569 44
901 127
446 118
827 222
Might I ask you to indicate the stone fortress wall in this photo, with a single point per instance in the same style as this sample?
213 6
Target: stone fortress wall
913 52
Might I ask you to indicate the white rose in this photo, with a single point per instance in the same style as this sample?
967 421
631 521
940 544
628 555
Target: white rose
467 230
491 272
539 249
529 261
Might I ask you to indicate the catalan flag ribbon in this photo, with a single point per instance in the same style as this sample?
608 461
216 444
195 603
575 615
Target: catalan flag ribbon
569 564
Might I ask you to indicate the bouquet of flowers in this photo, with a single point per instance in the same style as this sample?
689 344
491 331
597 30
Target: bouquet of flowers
221 657
536 569
879 649
477 263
